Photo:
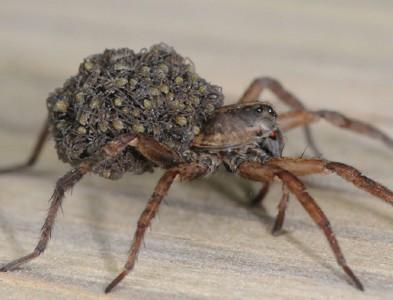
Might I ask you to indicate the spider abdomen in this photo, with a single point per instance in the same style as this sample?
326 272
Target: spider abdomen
155 92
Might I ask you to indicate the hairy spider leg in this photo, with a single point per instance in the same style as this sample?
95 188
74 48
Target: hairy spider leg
308 166
66 182
63 184
183 172
37 150
258 172
302 167
294 119
286 169
282 207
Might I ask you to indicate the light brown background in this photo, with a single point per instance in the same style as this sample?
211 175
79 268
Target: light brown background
205 244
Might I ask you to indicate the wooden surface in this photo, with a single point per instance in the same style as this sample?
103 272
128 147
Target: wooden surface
204 244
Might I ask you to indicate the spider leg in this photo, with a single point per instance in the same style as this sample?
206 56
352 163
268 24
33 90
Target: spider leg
154 151
159 153
258 199
63 184
183 172
260 84
282 207
148 147
259 172
294 119
301 167
42 138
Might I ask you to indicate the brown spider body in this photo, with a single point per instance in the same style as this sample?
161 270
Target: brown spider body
130 112
239 133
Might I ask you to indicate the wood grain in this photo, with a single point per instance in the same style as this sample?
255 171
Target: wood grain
205 243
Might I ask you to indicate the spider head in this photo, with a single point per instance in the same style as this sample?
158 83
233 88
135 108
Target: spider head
261 116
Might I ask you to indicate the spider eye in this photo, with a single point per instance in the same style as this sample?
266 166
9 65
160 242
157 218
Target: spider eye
265 108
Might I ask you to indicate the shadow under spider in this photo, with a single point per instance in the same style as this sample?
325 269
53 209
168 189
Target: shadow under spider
97 210
237 190
313 255
9 233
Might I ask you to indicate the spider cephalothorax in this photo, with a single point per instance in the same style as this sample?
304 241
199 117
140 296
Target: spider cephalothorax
239 133
131 112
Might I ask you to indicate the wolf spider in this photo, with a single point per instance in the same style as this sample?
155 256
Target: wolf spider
247 139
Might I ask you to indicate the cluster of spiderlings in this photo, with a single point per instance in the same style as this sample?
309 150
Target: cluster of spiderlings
127 161
155 92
